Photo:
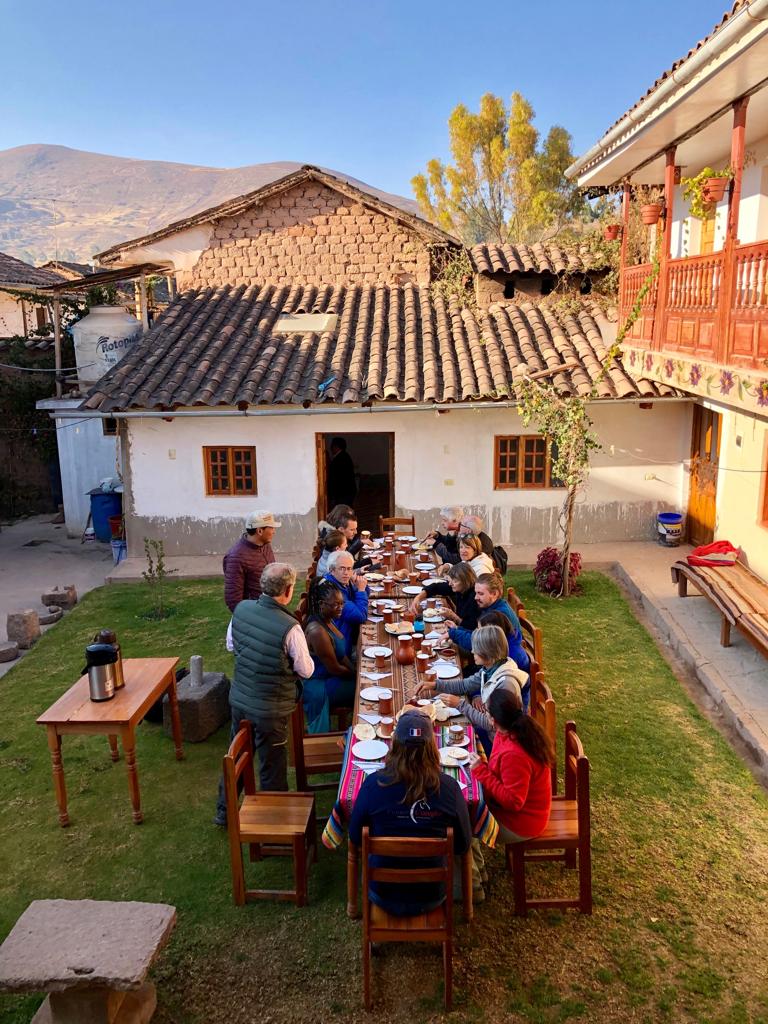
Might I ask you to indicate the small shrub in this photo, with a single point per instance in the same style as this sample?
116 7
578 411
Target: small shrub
156 575
548 571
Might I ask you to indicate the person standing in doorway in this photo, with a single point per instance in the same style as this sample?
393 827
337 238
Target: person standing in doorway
246 560
341 483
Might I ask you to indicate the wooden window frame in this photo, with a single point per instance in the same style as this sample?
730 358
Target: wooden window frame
231 476
519 484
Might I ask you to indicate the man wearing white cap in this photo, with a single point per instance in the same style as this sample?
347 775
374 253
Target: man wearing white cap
246 560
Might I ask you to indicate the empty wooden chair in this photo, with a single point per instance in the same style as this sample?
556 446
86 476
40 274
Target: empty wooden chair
272 824
568 830
434 926
532 638
398 524
514 601
311 754
541 707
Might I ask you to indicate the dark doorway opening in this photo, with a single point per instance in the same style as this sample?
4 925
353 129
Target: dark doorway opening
373 463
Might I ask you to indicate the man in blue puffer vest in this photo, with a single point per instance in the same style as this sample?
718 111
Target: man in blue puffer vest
270 652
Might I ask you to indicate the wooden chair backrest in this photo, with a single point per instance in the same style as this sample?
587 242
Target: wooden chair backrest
301 609
317 550
577 778
238 763
514 601
542 709
532 638
296 744
392 523
388 846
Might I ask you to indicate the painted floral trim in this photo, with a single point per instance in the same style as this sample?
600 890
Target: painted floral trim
705 378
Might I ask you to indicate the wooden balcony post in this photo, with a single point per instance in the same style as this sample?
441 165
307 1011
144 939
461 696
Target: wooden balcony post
57 344
660 319
728 282
625 201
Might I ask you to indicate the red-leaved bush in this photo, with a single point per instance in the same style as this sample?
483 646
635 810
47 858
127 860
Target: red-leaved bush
548 572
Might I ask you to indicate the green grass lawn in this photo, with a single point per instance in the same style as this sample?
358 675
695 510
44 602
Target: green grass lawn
680 848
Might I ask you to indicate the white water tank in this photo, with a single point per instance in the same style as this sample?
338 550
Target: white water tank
102 339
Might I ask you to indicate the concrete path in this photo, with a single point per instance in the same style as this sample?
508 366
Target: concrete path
734 679
35 556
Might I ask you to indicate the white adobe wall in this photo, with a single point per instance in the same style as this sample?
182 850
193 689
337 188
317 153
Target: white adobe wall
753 209
439 460
740 486
11 316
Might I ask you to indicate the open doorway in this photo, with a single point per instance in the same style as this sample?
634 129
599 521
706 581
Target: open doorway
360 467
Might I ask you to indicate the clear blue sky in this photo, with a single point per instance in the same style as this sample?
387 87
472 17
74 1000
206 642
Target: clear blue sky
365 87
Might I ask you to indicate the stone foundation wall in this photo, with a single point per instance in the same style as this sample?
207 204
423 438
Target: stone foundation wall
308 234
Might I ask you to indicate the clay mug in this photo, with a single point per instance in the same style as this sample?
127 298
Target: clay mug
386 725
382 661
386 707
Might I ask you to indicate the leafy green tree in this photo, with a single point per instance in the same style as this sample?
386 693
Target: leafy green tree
503 184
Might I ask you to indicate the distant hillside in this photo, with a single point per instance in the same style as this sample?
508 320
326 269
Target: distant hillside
101 200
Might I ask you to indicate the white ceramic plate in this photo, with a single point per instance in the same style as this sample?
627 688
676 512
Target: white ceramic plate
447 671
449 756
374 577
425 565
375 693
444 713
463 743
412 589
432 616
432 579
371 750
406 537
371 652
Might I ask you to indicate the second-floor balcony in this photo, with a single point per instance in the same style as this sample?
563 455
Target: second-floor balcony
714 307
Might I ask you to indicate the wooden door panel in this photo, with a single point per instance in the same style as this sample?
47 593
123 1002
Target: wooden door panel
705 457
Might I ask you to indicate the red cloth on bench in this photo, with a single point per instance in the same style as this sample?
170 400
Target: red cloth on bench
721 552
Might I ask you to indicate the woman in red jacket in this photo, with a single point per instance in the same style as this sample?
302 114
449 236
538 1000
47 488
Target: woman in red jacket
516 780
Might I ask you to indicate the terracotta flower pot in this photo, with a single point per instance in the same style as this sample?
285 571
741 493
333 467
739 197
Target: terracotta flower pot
650 213
611 232
714 189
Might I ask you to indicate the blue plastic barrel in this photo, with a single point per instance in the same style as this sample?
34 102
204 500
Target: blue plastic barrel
103 505
670 527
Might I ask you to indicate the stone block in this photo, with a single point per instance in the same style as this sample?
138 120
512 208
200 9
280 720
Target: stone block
63 597
9 651
48 615
23 628
203 709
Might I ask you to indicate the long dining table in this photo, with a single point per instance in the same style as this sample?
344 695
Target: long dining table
403 680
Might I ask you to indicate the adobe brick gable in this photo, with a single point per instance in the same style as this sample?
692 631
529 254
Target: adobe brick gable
307 234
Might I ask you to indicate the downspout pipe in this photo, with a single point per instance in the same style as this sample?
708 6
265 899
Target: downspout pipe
716 47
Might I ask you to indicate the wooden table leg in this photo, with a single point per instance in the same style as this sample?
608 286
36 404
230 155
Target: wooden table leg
113 748
466 885
353 880
54 745
725 633
175 718
129 748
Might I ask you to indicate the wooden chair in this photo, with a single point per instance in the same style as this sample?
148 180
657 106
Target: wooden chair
542 708
434 926
391 523
514 601
532 639
273 824
568 830
319 753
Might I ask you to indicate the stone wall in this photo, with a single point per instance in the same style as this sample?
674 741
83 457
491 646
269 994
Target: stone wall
310 233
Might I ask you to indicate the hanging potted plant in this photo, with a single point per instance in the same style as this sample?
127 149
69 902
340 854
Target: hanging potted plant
651 199
705 190
611 232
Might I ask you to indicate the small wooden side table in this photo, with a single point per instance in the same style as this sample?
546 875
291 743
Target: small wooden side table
146 680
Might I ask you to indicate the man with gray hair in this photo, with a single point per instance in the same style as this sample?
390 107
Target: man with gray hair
446 536
270 653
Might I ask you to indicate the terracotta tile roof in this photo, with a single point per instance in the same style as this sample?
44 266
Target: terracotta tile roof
392 343
18 274
538 258
363 194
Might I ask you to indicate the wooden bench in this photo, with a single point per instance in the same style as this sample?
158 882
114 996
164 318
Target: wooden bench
739 594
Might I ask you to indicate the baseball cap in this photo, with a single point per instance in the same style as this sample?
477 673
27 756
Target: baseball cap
413 729
260 518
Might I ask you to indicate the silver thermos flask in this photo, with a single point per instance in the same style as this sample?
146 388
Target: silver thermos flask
108 636
100 664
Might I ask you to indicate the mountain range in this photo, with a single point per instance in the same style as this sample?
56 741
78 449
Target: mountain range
57 202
